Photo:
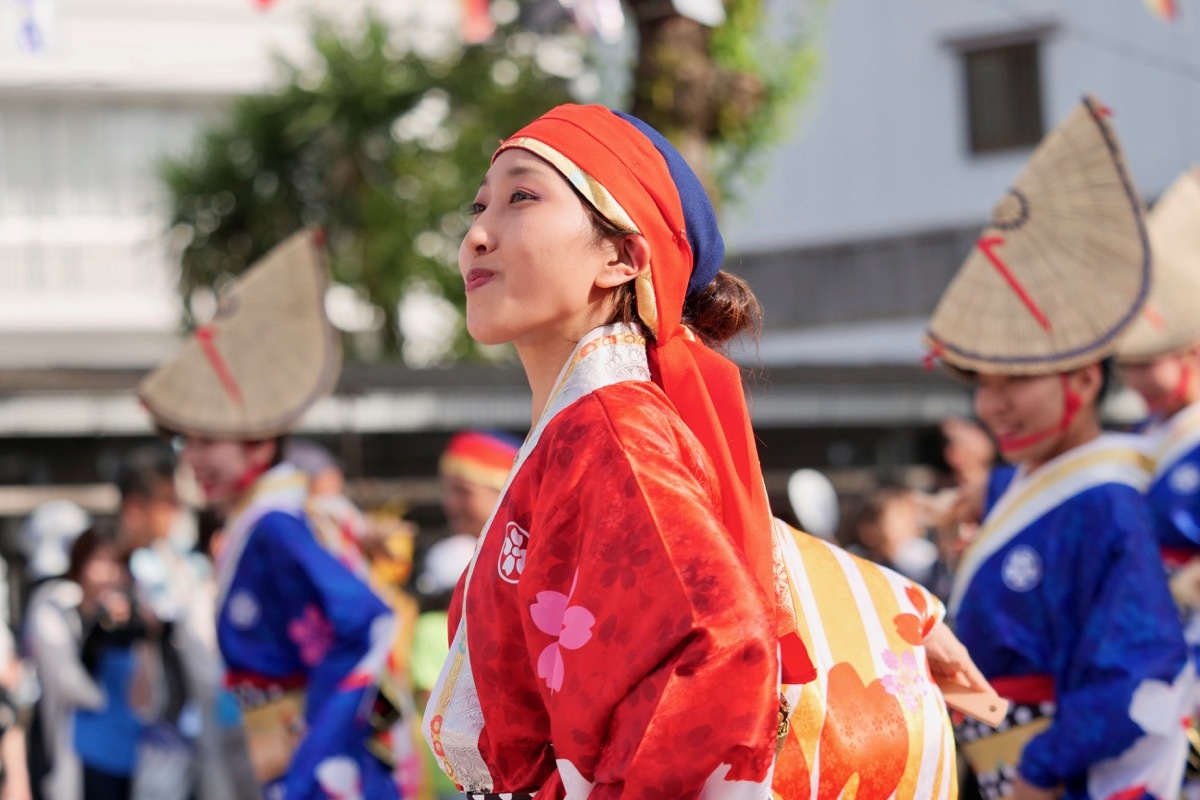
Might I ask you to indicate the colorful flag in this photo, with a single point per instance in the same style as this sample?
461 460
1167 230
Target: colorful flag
34 26
1163 9
477 23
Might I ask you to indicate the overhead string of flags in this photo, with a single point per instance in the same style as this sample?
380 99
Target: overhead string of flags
603 19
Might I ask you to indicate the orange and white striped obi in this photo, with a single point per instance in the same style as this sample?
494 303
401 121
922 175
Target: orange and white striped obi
873 725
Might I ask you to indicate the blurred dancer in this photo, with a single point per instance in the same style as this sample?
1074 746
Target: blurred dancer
1060 597
305 641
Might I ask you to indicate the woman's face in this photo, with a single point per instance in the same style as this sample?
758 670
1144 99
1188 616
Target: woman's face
221 466
103 573
1158 381
534 268
1017 409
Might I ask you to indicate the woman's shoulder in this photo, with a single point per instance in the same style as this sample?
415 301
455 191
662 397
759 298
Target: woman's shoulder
631 421
631 413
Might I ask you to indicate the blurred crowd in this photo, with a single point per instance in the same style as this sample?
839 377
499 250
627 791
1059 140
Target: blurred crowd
110 675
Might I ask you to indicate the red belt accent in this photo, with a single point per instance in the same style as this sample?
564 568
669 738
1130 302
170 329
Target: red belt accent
1026 690
253 680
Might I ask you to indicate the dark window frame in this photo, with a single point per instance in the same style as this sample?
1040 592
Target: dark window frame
1002 84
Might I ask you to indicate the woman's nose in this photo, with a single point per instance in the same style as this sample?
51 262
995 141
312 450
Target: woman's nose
477 240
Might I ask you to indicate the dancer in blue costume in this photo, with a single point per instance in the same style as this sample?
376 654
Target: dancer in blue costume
305 642
1160 359
1060 598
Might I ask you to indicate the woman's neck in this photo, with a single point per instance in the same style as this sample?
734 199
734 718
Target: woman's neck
543 361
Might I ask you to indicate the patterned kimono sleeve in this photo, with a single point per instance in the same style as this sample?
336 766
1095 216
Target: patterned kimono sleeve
1176 502
1119 648
656 661
342 632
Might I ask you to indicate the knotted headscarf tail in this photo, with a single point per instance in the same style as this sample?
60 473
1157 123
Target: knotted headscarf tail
636 183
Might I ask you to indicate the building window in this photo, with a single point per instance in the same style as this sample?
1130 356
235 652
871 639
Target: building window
1004 97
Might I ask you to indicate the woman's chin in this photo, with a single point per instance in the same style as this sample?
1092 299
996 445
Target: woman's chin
488 334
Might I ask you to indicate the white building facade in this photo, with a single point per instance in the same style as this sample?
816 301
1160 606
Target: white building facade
93 95
923 114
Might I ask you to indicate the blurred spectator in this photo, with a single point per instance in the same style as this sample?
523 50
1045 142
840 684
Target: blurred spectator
473 469
104 727
889 531
14 770
338 523
966 462
181 752
969 451
52 630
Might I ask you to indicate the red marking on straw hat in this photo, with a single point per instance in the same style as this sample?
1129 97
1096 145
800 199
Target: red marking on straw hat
988 245
205 335
1154 318
930 359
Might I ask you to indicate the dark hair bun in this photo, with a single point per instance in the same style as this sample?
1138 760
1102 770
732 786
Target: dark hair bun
725 308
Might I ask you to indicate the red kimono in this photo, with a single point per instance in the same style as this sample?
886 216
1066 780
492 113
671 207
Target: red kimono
609 640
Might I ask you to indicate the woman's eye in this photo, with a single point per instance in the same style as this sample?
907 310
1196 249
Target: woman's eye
521 194
475 209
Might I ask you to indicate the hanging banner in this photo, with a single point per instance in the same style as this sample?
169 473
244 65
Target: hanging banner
28 26
1163 9
477 23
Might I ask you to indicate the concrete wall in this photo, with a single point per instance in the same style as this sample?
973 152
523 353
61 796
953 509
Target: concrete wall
880 148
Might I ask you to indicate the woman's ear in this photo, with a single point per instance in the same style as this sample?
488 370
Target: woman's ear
1087 382
629 256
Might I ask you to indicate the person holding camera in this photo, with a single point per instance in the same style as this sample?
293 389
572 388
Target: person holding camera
116 631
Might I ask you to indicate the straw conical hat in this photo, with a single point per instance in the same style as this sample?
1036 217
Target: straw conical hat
1062 269
1171 319
269 354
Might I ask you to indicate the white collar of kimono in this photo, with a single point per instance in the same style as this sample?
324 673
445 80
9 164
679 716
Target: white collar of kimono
1175 438
1110 458
282 488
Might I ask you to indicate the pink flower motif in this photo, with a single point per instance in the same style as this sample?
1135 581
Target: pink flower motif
312 633
907 681
571 627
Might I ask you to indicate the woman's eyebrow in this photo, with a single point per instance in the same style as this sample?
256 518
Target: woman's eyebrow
516 171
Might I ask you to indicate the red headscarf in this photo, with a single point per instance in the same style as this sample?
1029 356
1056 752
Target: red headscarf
624 174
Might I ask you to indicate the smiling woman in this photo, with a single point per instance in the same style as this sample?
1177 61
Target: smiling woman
589 667
1060 597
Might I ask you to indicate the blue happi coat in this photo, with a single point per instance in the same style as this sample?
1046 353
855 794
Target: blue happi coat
1174 497
304 641
1062 602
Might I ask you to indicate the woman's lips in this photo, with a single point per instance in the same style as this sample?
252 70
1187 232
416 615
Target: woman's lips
477 277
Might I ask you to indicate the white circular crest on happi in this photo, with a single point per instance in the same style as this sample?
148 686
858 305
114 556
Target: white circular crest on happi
1022 569
513 552
1185 479
243 610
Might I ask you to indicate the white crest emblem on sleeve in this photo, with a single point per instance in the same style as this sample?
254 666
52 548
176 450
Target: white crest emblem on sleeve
513 552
